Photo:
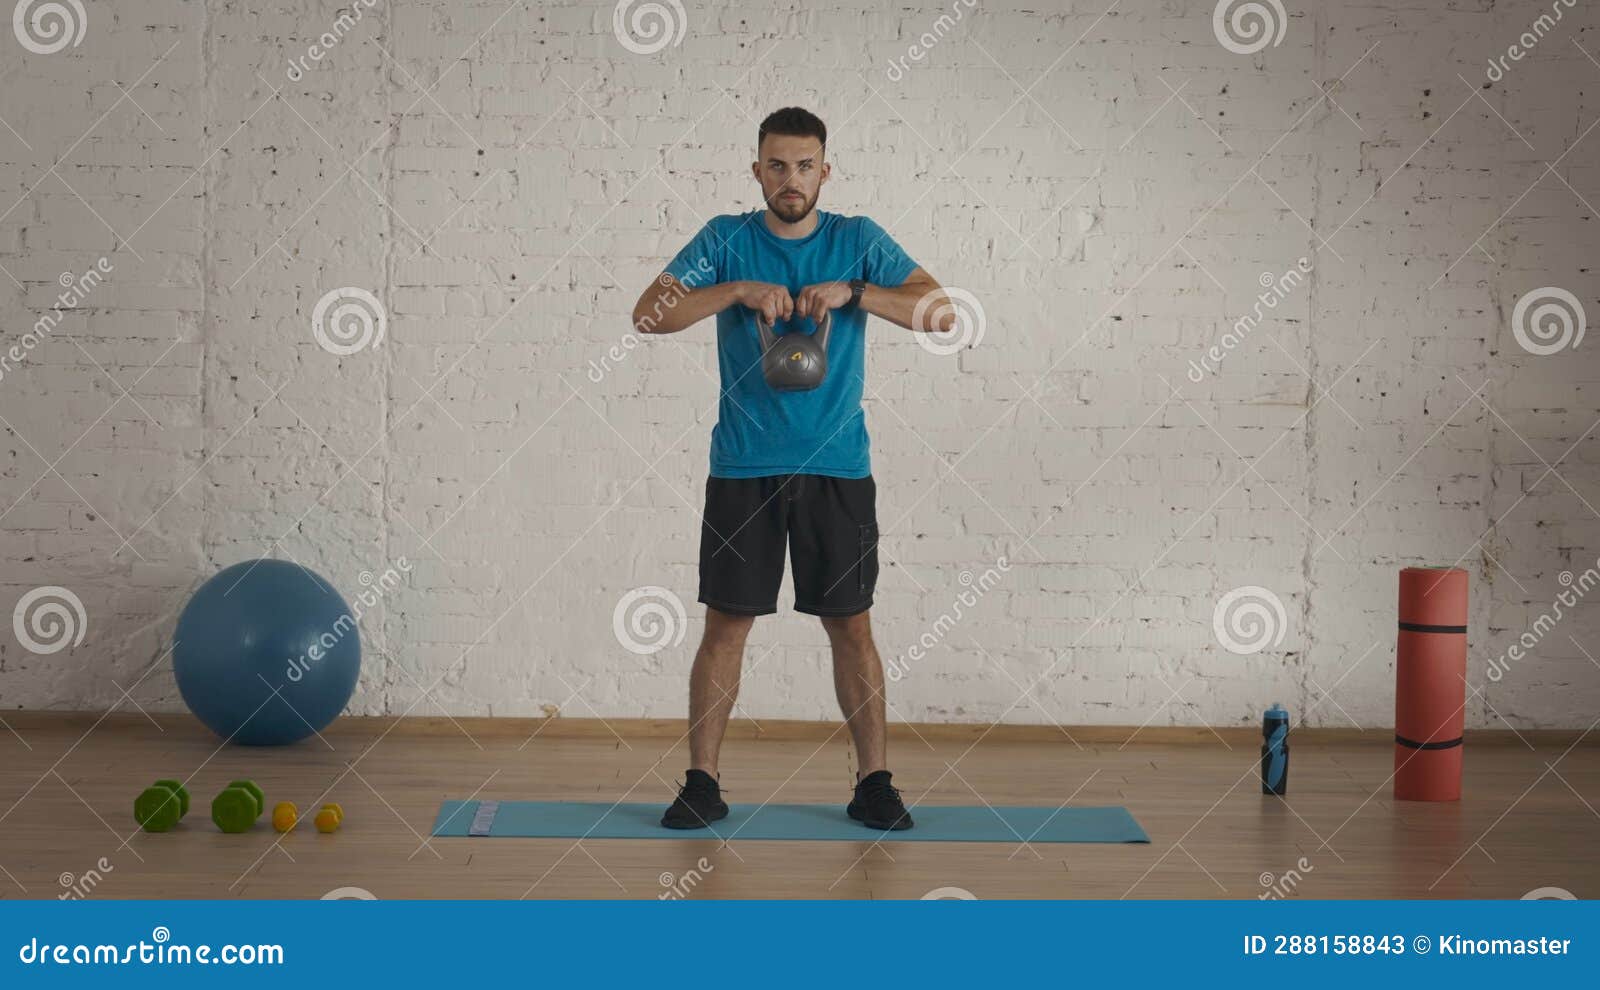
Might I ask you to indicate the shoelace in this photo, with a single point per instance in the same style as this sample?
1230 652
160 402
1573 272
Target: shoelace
881 792
699 787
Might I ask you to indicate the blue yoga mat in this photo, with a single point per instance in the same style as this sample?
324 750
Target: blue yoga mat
809 822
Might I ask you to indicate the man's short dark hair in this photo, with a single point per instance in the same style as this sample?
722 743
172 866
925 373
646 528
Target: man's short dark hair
794 122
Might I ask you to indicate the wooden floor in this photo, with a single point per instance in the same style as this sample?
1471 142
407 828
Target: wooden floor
67 784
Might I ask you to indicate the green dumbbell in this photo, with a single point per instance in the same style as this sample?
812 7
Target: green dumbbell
159 806
253 788
238 806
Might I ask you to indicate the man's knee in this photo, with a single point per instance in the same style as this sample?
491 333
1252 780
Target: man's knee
727 629
853 630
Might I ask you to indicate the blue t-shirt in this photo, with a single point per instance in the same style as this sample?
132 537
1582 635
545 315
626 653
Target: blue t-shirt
761 431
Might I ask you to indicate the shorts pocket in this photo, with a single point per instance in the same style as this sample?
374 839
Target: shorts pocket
867 562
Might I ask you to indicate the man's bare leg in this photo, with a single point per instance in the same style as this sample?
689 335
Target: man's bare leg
858 681
714 685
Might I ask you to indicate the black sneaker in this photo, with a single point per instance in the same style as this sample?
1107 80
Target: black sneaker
699 802
877 804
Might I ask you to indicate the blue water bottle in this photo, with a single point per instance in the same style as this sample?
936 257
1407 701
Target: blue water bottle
1275 751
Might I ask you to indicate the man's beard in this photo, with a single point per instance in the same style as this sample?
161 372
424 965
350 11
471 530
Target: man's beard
789 210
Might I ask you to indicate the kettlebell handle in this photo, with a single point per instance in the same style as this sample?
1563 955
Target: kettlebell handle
768 338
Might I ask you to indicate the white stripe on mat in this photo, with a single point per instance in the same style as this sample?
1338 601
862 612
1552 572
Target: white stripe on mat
483 818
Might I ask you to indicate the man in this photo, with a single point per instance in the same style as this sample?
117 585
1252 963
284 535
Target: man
786 465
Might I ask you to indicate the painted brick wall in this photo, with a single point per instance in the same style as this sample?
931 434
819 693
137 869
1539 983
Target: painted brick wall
1114 189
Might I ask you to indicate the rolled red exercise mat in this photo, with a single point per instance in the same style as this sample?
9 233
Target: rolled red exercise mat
1430 687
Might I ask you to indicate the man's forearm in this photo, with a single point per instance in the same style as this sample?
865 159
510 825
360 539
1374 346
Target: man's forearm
899 304
674 308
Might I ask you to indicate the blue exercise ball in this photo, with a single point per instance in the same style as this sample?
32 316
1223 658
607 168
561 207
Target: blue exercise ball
260 626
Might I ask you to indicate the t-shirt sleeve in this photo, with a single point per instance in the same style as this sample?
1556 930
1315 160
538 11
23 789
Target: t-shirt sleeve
884 262
700 262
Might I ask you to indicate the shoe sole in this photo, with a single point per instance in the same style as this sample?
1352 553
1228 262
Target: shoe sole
899 825
695 825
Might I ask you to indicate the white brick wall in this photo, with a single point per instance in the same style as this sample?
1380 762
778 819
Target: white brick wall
1113 224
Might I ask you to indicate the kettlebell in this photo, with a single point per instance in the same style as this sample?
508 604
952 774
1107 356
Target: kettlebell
794 361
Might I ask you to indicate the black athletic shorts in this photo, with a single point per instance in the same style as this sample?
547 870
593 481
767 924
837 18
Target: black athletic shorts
831 528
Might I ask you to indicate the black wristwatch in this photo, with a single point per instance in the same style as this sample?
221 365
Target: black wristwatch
857 286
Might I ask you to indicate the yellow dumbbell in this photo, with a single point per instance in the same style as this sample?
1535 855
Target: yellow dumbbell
285 816
329 818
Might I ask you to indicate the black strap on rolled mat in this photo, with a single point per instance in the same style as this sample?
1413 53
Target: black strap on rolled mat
1446 744
1419 627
